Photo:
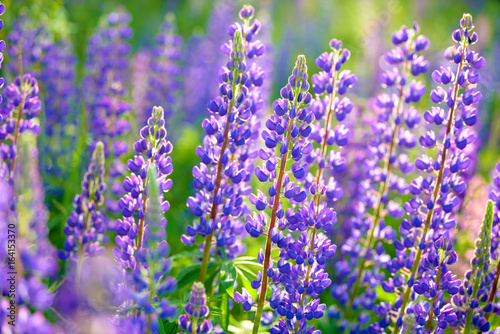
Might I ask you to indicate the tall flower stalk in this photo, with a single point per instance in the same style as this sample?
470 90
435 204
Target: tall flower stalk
86 223
222 179
105 85
474 293
286 134
432 207
392 135
492 278
142 251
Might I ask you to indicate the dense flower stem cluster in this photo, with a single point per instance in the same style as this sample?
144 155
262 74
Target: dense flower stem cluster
85 223
328 83
18 110
142 250
493 277
108 53
34 259
222 179
394 110
237 58
2 49
441 202
288 128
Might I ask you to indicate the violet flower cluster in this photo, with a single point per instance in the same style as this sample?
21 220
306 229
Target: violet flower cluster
164 70
19 108
193 321
33 258
493 276
202 56
2 49
287 132
472 299
25 46
105 88
141 249
58 65
385 159
425 234
229 148
85 225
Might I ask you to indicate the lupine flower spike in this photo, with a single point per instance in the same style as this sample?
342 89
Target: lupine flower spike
142 251
474 293
392 136
425 248
287 131
193 321
493 277
86 224
229 148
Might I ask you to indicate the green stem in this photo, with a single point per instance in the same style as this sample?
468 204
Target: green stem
470 312
378 210
317 197
438 280
213 211
267 258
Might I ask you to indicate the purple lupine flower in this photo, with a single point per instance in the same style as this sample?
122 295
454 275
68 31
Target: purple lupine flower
201 70
385 159
58 76
471 302
58 65
164 70
307 254
86 223
20 107
229 147
140 78
107 64
142 251
432 207
193 321
25 46
491 279
287 132
34 260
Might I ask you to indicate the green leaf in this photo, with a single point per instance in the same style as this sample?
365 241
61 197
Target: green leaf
228 275
170 327
56 285
161 327
191 273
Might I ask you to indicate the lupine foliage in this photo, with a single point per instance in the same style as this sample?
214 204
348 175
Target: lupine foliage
323 211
